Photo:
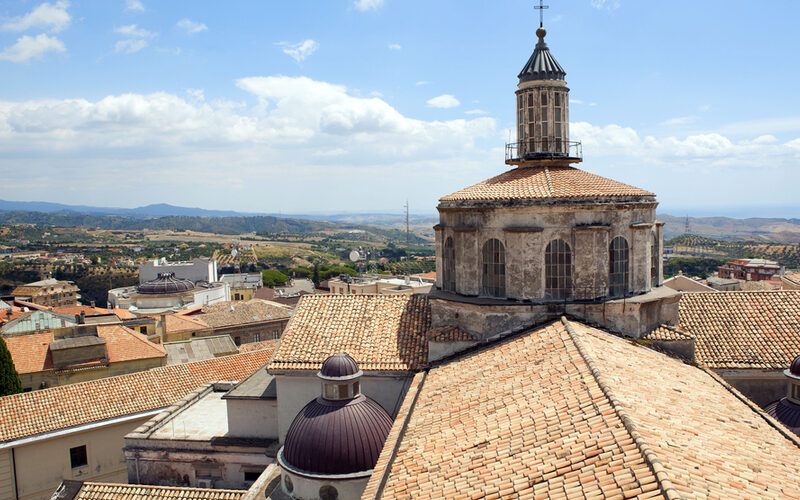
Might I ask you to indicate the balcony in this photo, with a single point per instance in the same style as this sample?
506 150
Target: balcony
543 149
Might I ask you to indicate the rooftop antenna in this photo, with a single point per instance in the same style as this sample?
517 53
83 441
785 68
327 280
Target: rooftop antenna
541 8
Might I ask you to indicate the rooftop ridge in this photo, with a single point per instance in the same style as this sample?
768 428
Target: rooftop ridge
659 471
169 488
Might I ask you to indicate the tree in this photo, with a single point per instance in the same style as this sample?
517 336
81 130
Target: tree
315 276
9 378
273 278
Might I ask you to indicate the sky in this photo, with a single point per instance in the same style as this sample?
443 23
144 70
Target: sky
359 105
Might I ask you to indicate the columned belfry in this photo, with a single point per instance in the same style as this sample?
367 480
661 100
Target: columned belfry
546 238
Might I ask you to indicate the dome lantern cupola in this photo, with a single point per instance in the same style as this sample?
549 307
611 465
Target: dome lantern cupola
340 377
787 410
542 111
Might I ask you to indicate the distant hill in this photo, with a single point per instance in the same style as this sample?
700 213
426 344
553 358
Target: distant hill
218 225
752 229
154 210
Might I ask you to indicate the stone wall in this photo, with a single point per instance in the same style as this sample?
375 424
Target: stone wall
525 232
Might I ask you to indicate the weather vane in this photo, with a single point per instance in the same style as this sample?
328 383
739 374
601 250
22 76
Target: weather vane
541 8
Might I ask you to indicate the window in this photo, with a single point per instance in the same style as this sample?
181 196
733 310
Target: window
544 144
654 257
287 483
329 391
251 476
618 267
344 391
356 389
276 334
494 269
237 340
328 492
256 337
78 457
558 270
449 266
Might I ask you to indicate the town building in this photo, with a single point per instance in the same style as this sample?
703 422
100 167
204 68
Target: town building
751 270
379 284
681 283
75 432
49 292
243 285
724 284
82 352
252 321
178 327
167 292
200 269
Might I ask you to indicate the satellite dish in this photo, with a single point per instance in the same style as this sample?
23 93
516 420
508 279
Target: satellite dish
355 256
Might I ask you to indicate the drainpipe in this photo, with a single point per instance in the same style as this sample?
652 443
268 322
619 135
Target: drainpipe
14 472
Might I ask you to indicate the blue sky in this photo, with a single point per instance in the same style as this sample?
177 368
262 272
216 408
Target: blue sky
343 105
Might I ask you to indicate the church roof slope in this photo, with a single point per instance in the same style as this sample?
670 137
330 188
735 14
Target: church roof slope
546 183
381 332
32 413
239 313
743 329
566 410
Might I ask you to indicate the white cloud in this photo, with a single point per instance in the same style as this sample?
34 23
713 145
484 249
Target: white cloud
130 45
475 112
138 41
27 48
49 16
134 31
395 46
363 5
605 4
299 51
191 27
681 120
133 6
421 83
443 101
575 101
196 94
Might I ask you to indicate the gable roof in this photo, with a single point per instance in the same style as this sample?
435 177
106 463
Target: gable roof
32 413
30 353
239 313
545 183
110 491
179 323
740 330
381 332
566 410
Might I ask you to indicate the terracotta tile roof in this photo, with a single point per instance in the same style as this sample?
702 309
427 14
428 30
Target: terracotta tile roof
179 323
258 346
87 310
124 344
538 183
568 411
449 334
793 278
31 413
667 332
109 491
381 332
743 329
240 313
30 352
524 418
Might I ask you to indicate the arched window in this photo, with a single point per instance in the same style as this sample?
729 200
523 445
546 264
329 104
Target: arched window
655 255
618 267
558 270
494 269
449 266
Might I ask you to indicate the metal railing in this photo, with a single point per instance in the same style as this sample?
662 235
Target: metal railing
536 149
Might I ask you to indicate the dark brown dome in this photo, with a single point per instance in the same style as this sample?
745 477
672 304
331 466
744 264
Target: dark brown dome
786 412
337 437
794 368
166 283
339 365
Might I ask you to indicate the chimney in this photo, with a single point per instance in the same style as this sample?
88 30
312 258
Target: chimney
82 318
163 328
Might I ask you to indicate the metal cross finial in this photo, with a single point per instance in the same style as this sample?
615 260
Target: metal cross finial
541 8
